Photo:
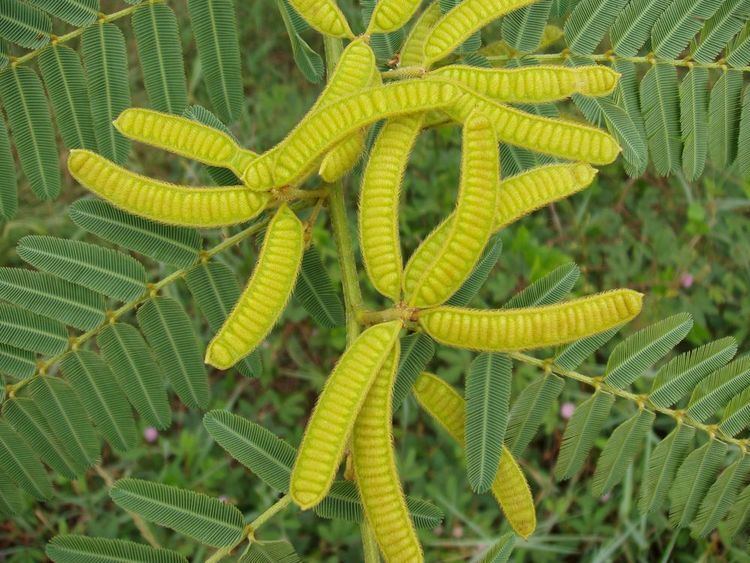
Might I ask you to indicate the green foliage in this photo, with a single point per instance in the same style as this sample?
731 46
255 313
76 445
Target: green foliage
315 291
278 551
27 331
24 25
479 275
22 466
74 12
416 352
588 23
547 290
82 549
529 408
665 459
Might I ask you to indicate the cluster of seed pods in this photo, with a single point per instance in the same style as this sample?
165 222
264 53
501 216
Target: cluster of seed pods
354 409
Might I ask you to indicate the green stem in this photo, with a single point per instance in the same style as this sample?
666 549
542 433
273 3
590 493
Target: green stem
370 549
103 18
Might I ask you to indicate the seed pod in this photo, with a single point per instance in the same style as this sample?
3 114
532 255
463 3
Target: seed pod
510 487
333 418
557 137
390 15
287 162
324 16
379 201
463 21
342 158
162 201
412 51
473 219
376 473
265 295
184 137
507 330
533 84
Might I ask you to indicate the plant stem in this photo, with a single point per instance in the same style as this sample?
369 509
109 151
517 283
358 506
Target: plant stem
370 549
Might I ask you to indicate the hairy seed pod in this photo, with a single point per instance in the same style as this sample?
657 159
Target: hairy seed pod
265 295
534 327
338 405
287 162
473 219
376 473
342 158
510 487
557 137
379 201
390 15
324 16
412 51
533 84
184 137
463 21
162 201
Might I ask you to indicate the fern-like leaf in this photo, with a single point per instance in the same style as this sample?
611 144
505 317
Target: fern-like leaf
501 551
169 331
738 51
487 397
680 376
479 275
309 62
663 463
82 549
743 142
63 75
75 12
736 416
215 289
222 176
547 290
620 450
23 97
166 243
8 182
255 447
588 23
105 58
694 121
573 355
693 479
634 355
718 388
739 515
279 551
51 297
101 396
315 291
21 465
206 519
719 30
723 125
528 411
661 115
417 350
215 30
23 414
11 502
103 270
678 24
67 418
136 371
27 331
160 51
523 29
627 96
583 428
721 496
24 25
16 362
632 28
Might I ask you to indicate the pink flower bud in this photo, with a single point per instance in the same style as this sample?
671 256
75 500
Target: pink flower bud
151 434
567 410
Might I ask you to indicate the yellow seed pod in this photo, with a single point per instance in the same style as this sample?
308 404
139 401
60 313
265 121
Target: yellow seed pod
376 473
379 199
162 201
286 164
557 137
324 16
184 137
508 330
473 219
412 51
464 20
517 197
353 73
390 15
533 84
266 294
332 420
510 487
342 158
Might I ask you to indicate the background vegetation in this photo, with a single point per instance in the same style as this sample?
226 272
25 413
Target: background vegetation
685 244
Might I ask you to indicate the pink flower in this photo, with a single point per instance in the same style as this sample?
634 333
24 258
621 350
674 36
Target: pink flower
151 434
567 410
686 280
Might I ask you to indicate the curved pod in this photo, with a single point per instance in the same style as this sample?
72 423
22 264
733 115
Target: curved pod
412 51
162 201
473 219
376 473
287 163
342 158
379 201
508 330
324 16
265 295
510 487
338 405
184 137
390 15
533 84
464 20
